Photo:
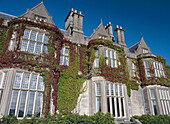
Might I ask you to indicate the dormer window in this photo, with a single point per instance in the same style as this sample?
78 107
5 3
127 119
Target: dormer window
145 51
39 18
102 37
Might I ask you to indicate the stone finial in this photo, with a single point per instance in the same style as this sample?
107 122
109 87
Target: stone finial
80 13
72 9
75 11
117 26
101 22
42 1
120 27
94 30
109 22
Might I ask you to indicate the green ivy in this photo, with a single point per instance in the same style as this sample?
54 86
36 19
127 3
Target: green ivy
70 87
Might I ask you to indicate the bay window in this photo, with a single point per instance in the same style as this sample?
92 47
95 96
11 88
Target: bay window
27 95
34 42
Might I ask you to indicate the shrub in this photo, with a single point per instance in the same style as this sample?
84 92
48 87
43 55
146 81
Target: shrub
151 119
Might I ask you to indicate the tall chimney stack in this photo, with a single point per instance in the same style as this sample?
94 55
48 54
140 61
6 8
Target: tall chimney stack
120 35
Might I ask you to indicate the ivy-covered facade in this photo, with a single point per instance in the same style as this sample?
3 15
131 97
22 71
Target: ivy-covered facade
46 69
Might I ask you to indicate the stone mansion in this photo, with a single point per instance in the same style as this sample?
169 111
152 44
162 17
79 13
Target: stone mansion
35 54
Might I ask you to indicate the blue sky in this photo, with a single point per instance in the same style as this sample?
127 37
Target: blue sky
149 17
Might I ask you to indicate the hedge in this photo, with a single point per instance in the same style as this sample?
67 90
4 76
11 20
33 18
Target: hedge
98 118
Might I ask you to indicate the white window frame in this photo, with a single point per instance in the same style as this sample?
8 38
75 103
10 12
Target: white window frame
116 97
98 95
20 90
43 43
165 101
63 55
148 74
112 58
158 69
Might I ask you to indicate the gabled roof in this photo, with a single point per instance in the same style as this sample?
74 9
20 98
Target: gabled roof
100 30
6 16
142 43
40 10
133 48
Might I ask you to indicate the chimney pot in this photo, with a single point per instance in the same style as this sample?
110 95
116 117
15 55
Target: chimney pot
75 11
117 26
109 22
120 27
80 12
72 9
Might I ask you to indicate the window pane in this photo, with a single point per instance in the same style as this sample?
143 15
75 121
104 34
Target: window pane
13 102
109 54
122 107
105 53
108 104
66 52
40 36
113 106
33 81
4 80
17 81
26 34
46 39
146 64
113 55
154 107
112 90
31 47
26 81
118 111
38 49
45 49
98 104
152 94
33 36
30 103
98 89
66 61
116 88
62 51
39 104
61 60
22 104
120 89
107 89
41 83
96 62
24 45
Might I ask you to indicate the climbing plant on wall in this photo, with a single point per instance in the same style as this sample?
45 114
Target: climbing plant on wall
119 74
